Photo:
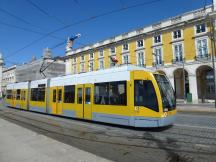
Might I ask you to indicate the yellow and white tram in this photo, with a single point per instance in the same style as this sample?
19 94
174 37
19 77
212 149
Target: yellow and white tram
126 95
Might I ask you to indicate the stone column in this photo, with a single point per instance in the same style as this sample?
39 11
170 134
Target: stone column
172 82
193 87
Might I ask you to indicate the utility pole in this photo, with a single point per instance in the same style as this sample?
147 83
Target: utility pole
212 38
155 55
183 73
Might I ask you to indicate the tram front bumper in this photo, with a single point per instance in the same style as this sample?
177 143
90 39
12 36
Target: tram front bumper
154 122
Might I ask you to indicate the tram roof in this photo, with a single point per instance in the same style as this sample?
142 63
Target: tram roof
118 73
107 75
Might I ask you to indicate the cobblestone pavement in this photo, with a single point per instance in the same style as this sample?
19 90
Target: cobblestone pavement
202 120
191 139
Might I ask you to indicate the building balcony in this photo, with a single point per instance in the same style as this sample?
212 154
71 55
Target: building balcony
205 57
141 65
161 63
178 60
126 63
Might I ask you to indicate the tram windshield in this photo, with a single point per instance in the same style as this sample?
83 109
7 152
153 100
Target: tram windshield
167 92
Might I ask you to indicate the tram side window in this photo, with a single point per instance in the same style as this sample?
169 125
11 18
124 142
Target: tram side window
23 95
117 93
79 96
111 93
145 94
38 94
101 93
59 95
18 94
34 94
69 94
54 95
88 95
9 94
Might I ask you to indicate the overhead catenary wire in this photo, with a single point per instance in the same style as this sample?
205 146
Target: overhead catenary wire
14 16
19 18
83 21
40 9
36 32
28 30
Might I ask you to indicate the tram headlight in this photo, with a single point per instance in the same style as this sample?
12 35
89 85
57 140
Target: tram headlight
136 108
165 109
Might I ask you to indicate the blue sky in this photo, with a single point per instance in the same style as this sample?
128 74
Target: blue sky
55 14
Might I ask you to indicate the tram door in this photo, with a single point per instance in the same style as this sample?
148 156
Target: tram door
14 98
57 100
23 99
84 101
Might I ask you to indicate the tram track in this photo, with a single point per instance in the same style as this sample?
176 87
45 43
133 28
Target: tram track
149 141
173 130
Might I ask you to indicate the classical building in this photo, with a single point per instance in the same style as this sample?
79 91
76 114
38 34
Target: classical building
40 68
31 70
8 76
1 73
179 47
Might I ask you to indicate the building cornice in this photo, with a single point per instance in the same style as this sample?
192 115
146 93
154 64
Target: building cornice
185 19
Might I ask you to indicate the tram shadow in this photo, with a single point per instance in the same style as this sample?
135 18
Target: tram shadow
126 127
99 123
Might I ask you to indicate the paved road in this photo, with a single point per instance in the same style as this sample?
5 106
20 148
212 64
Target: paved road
196 119
192 138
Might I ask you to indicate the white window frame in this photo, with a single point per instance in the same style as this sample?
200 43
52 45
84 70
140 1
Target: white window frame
182 36
90 56
162 58
173 49
82 60
123 50
206 29
101 51
110 61
82 70
137 43
101 60
201 38
74 71
74 60
91 68
111 50
153 38
137 57
125 54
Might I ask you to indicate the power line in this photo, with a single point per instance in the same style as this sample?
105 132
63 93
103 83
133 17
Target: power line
28 30
45 12
19 18
14 16
40 33
122 3
105 14
83 21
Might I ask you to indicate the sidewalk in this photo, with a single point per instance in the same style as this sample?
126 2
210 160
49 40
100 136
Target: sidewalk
201 107
22 145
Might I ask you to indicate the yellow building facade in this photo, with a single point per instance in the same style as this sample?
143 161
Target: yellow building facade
179 47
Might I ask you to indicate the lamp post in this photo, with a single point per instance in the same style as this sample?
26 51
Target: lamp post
212 38
155 55
183 73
